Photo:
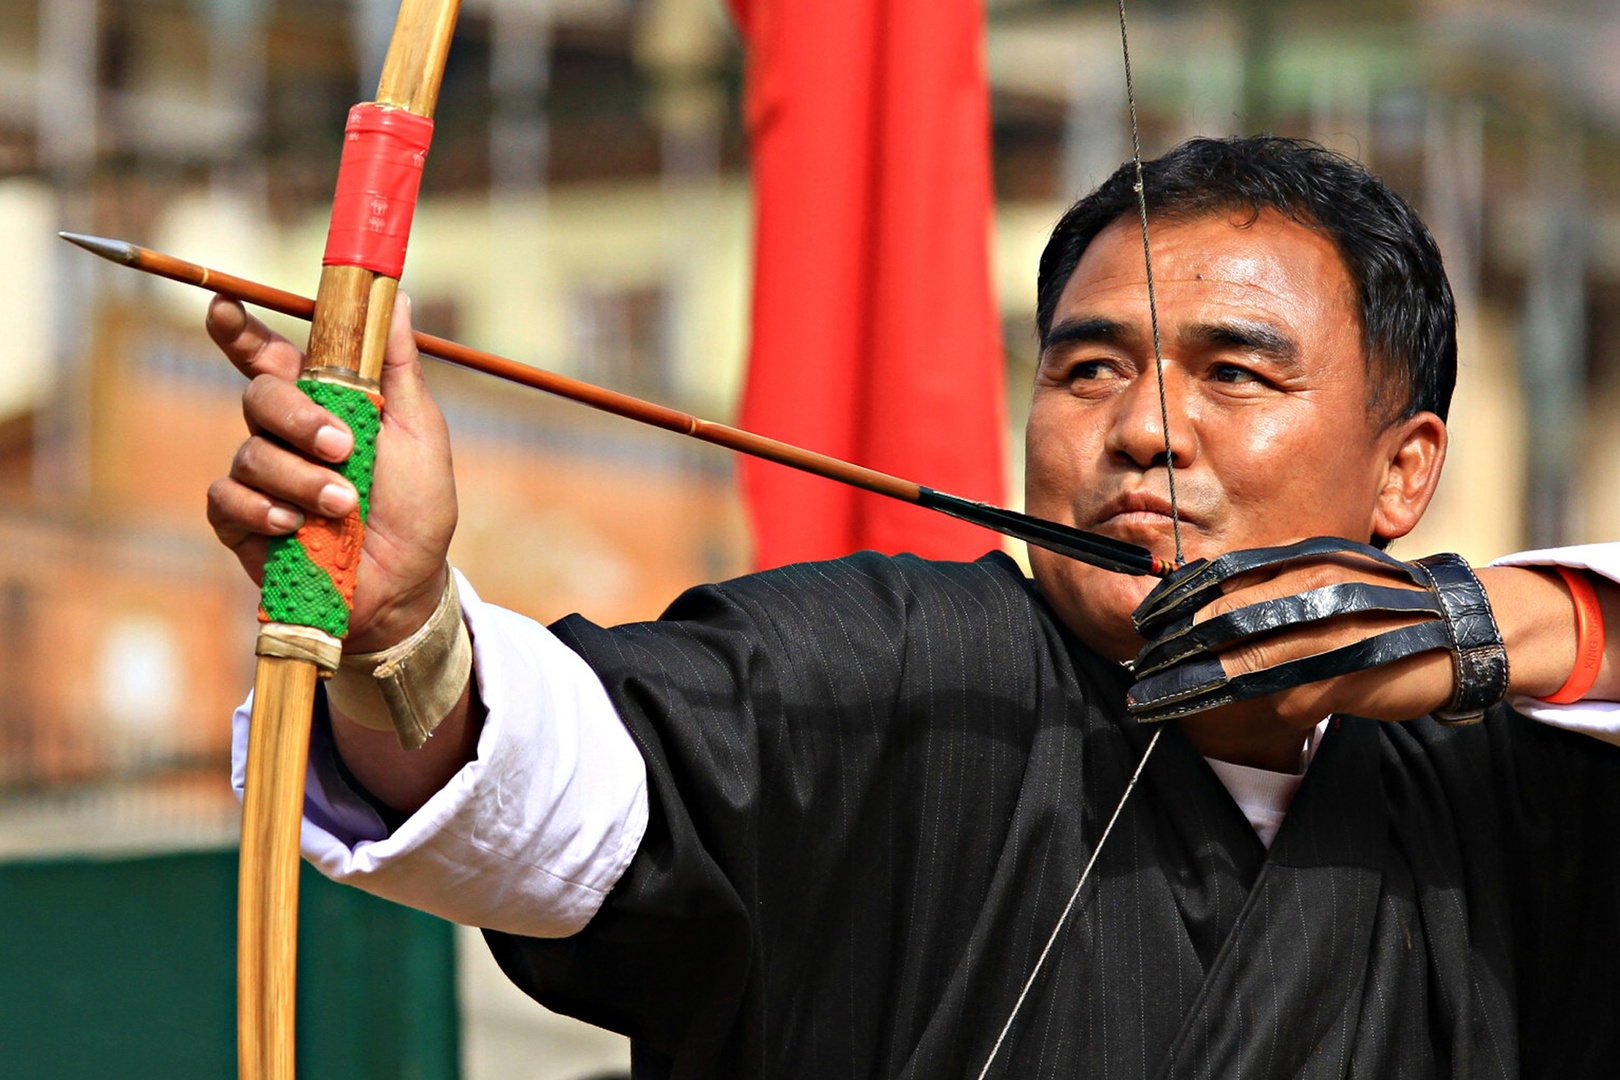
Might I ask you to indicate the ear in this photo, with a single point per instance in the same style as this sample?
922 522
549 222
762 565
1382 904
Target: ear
1415 451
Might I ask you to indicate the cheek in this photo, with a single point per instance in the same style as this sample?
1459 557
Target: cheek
1307 476
1257 457
1059 458
1044 463
1045 483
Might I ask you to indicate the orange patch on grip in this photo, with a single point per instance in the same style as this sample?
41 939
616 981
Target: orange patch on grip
333 544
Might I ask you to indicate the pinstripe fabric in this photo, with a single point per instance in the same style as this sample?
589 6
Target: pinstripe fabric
874 782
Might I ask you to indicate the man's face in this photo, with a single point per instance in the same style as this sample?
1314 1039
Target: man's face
1266 387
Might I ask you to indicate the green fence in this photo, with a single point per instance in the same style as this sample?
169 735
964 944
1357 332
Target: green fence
127 968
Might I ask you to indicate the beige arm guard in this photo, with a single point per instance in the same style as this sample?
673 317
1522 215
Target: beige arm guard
410 687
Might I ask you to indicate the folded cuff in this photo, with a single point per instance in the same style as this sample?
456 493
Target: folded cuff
528 837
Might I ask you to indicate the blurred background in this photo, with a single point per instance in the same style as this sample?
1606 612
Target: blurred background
586 208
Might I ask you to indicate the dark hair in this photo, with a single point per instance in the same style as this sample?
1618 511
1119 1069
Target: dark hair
1408 317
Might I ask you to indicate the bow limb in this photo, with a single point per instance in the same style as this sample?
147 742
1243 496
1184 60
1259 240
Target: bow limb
352 312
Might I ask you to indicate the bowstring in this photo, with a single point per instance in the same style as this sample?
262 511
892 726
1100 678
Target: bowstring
1063 916
1175 525
1147 263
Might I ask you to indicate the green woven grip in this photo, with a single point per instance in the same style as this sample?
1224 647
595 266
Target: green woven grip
309 576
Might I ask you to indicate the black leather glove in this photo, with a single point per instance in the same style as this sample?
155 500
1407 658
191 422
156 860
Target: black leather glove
1179 671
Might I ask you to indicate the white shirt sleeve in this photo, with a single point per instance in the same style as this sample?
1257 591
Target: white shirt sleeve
529 836
1599 719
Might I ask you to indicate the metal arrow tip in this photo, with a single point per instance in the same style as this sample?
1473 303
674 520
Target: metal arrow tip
119 251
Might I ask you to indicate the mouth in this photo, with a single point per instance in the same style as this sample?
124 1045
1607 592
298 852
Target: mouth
1138 516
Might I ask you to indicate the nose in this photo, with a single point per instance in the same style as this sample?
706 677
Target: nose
1136 435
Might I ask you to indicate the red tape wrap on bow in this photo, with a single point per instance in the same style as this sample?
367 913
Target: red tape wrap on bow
383 152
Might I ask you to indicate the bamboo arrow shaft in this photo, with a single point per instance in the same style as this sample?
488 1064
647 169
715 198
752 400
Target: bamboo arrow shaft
1088 547
611 401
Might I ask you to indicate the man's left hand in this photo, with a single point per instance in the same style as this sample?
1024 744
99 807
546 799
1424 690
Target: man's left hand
1273 640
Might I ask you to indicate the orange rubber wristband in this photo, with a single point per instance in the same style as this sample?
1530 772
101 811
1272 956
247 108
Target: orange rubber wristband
1588 639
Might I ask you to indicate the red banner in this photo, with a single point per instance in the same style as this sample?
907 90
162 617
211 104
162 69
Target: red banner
875 333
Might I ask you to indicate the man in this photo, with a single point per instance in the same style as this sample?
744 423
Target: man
824 821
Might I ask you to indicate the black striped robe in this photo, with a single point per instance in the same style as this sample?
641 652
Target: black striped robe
874 783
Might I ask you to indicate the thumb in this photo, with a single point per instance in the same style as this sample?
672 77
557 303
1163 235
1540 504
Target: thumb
403 390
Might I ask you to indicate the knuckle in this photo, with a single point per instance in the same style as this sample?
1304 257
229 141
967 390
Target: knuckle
258 387
253 400
279 407
225 512
218 493
247 460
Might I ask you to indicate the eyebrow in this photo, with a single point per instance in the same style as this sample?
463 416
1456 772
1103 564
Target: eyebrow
1086 331
1257 337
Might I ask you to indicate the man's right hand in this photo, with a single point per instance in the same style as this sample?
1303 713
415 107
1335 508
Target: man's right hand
277 477
281 473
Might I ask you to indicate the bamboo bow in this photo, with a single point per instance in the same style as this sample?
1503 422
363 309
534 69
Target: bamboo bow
352 313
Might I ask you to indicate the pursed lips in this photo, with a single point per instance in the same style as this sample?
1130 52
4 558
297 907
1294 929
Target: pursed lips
1141 513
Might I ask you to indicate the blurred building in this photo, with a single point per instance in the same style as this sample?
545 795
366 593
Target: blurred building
585 208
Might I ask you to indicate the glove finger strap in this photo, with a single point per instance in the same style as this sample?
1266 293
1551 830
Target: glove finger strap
1196 584
1202 683
1316 605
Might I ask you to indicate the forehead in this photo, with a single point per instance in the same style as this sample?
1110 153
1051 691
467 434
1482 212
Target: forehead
1258 266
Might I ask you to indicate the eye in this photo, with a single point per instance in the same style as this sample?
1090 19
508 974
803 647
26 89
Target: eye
1234 373
1092 371
1083 369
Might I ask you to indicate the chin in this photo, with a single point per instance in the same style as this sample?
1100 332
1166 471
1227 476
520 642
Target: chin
1095 604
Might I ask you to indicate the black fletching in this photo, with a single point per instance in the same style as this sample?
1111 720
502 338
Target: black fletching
1097 550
